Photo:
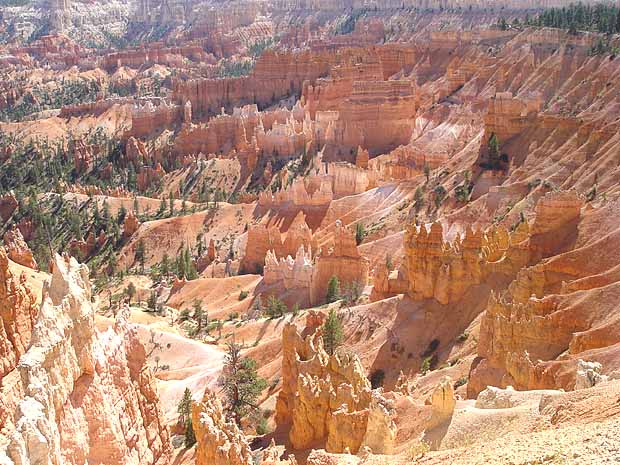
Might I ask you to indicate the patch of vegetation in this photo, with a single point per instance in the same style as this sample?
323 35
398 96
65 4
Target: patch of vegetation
184 409
333 290
439 195
462 381
360 233
352 292
42 97
418 450
599 17
495 159
241 383
257 48
275 308
231 68
347 26
332 332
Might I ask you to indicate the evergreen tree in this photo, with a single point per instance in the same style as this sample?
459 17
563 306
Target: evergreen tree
188 265
152 301
494 153
165 265
180 265
106 213
162 208
120 216
333 289
332 332
201 317
427 172
96 215
184 409
130 291
360 233
171 204
140 253
242 385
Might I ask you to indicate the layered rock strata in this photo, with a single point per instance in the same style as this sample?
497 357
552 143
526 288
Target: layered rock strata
82 396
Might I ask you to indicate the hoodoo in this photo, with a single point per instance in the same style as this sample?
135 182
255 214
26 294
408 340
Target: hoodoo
309 232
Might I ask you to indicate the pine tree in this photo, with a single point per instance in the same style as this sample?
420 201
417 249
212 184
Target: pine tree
106 213
171 204
494 154
360 233
188 265
427 172
184 409
120 216
140 253
332 332
165 265
152 301
130 291
200 316
162 208
242 385
333 289
275 307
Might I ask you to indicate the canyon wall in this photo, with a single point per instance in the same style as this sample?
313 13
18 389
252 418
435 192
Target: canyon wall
18 314
555 312
276 75
83 396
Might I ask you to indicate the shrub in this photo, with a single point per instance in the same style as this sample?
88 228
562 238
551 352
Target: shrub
243 295
152 301
352 292
462 381
262 427
440 195
275 308
418 450
463 337
426 365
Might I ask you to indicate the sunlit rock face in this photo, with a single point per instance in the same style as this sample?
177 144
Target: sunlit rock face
82 396
328 399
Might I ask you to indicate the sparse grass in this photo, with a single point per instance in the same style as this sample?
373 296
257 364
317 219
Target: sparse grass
418 450
462 381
